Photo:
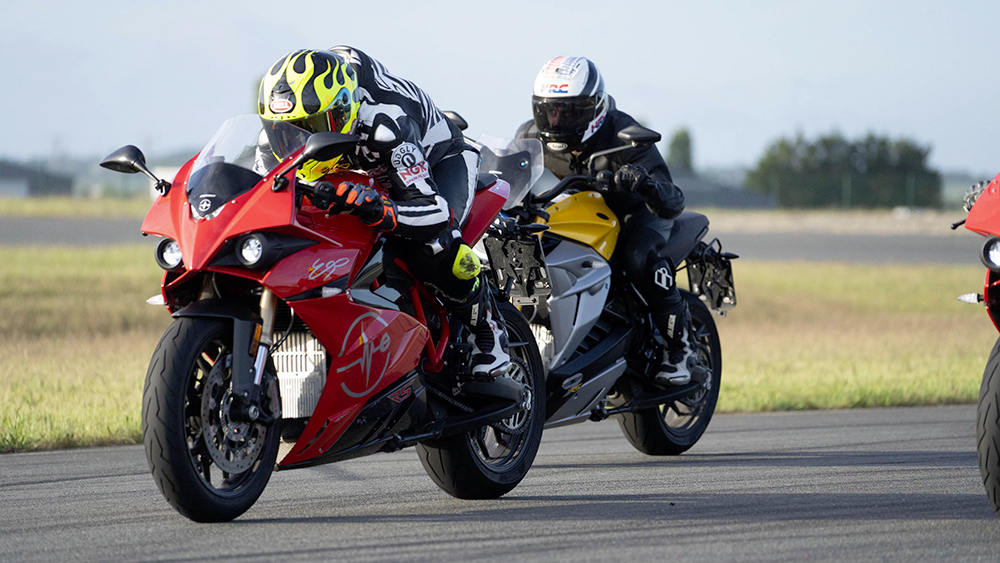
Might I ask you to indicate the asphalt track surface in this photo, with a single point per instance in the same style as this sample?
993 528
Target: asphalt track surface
863 485
961 247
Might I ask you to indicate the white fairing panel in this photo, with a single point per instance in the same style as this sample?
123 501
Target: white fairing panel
580 280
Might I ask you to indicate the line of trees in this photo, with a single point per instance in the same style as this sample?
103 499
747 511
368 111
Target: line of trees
836 172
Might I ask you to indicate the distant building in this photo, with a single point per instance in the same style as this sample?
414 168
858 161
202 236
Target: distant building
19 180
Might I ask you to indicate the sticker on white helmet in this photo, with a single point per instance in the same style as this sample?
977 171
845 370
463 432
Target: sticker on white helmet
564 67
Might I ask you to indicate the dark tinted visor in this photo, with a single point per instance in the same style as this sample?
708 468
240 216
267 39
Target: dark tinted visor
285 137
333 119
561 116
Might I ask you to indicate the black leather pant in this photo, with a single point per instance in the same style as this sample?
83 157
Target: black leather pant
641 253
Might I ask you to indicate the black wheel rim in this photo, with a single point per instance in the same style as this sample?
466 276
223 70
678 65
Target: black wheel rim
498 446
225 454
683 417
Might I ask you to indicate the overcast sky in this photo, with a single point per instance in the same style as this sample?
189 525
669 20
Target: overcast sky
83 78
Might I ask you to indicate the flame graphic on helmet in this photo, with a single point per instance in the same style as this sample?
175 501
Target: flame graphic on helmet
316 90
310 81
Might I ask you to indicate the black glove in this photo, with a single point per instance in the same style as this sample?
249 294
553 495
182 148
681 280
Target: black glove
631 178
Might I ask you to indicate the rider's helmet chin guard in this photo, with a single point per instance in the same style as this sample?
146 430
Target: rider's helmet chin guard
569 102
315 91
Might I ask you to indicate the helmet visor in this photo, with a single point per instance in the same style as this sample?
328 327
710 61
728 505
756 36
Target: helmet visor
284 137
334 119
563 116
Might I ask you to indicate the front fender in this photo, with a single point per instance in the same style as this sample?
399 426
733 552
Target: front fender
245 323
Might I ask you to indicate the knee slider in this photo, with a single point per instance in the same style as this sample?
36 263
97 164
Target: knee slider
466 265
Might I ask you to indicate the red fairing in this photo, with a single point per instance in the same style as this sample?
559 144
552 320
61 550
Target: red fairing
369 350
984 218
485 206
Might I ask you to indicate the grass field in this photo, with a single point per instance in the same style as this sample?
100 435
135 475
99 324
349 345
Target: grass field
76 335
74 207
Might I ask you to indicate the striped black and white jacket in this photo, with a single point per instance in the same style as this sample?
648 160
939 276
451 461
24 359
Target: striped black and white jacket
404 135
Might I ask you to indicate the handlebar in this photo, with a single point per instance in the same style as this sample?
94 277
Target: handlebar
601 182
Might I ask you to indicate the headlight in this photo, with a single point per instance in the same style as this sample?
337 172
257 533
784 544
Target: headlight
251 251
991 254
256 251
168 254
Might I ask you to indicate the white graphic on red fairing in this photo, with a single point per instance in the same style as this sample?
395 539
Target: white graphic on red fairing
369 348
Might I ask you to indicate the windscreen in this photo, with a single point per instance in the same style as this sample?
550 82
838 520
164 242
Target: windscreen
236 159
519 163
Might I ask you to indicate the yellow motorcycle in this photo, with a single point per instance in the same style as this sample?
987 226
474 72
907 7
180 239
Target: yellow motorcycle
554 252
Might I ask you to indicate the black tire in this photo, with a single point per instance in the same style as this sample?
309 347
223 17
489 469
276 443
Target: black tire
988 428
489 462
186 465
673 428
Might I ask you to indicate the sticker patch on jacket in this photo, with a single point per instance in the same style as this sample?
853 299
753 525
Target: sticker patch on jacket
414 173
406 155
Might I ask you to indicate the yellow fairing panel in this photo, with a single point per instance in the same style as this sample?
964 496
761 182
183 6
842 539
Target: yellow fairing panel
584 217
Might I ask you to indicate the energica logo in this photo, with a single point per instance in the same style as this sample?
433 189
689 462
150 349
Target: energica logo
374 353
204 205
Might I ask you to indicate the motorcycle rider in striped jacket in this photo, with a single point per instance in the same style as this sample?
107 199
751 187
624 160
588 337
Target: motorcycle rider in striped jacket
416 155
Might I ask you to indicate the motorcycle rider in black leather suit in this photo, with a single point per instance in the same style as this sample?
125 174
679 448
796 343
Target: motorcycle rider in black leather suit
574 118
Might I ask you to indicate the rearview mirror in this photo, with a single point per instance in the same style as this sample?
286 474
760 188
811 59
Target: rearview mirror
130 160
127 160
326 146
638 135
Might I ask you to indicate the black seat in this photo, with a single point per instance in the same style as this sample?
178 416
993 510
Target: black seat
689 227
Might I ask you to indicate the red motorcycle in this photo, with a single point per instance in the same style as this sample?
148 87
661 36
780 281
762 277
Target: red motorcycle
300 339
983 204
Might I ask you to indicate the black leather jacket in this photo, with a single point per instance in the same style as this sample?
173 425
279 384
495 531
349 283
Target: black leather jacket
665 200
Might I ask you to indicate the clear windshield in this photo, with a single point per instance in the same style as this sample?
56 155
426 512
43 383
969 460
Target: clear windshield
519 162
235 160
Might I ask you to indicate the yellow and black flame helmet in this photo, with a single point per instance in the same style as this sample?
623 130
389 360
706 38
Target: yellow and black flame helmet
314 90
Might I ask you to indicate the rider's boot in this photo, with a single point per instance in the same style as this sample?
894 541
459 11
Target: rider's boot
680 363
490 357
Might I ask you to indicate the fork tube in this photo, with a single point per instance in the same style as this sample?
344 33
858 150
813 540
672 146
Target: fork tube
268 306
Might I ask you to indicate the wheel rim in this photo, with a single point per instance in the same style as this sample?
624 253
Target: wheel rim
683 416
225 454
498 446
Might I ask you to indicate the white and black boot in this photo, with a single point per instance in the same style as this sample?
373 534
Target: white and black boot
680 363
490 358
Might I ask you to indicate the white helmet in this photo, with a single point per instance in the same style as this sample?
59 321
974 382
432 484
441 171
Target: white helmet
569 102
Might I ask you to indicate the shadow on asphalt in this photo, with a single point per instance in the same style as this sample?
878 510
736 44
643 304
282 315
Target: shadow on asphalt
786 459
722 507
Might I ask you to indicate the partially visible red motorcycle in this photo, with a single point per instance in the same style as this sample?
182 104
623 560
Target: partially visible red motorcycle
983 204
300 339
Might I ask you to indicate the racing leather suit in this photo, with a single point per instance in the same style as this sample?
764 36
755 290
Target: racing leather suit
646 220
422 161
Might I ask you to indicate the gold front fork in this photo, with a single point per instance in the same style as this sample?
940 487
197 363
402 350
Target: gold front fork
268 307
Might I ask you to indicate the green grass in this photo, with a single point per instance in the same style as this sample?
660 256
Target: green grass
809 336
76 336
74 207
